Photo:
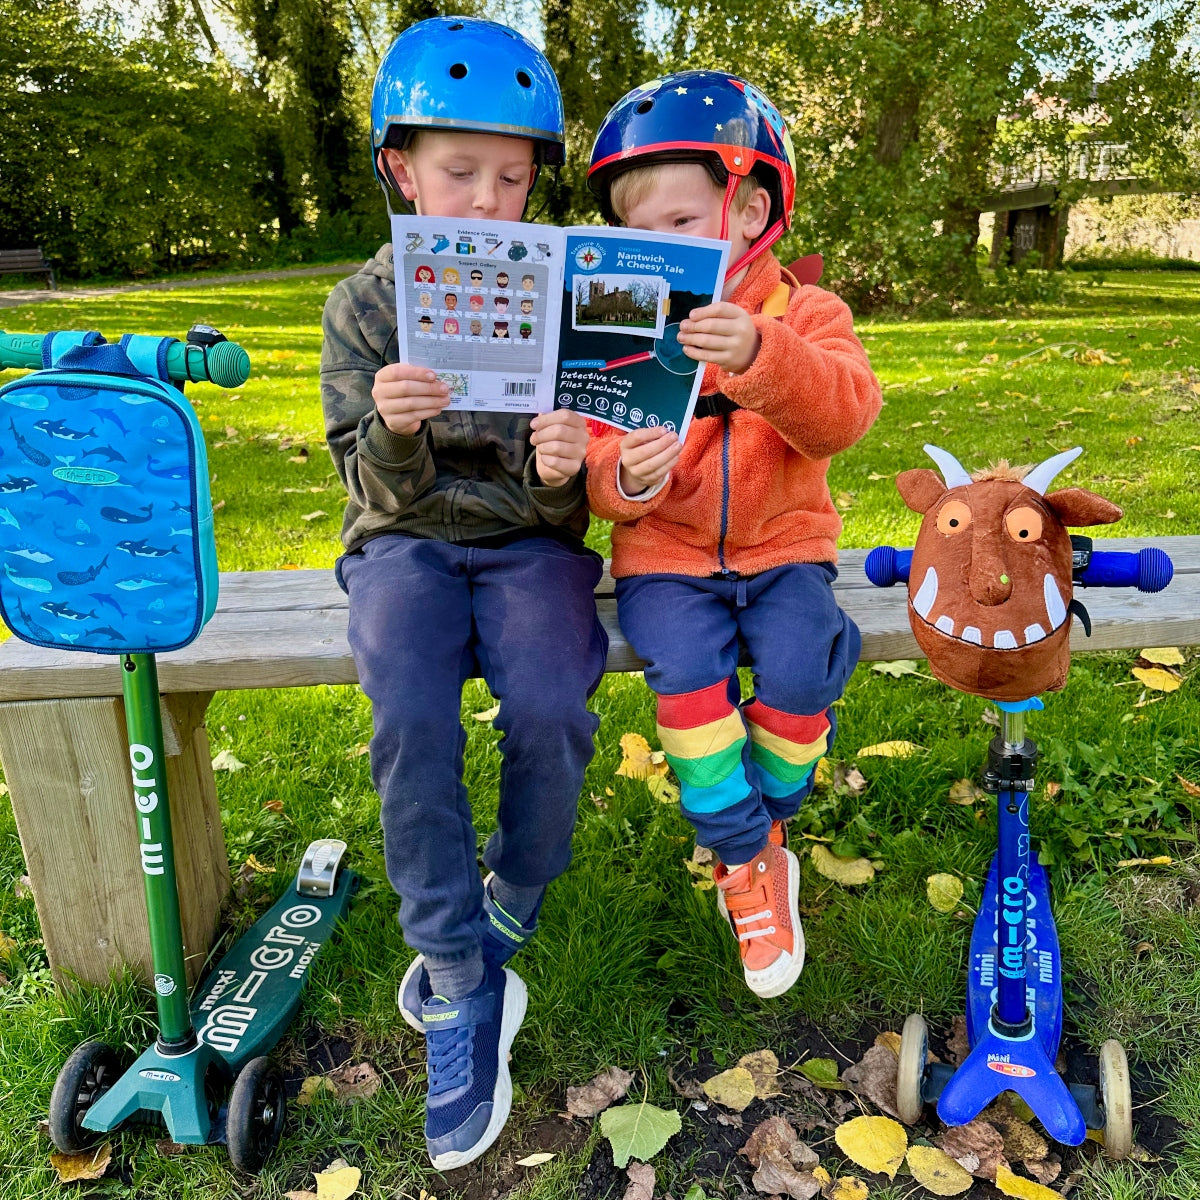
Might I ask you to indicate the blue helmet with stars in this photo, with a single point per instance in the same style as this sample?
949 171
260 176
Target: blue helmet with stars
711 117
471 75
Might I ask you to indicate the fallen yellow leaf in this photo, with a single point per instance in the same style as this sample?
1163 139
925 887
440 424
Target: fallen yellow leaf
763 1066
1159 860
823 775
875 1143
847 1187
1164 656
733 1089
937 1171
849 872
536 1160
1024 1189
257 867
337 1184
488 714
638 760
890 1039
87 1164
7 945
1192 789
889 750
944 892
663 790
966 791
312 1087
1158 678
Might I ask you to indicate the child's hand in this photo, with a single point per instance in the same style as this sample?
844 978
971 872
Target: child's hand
647 455
405 396
560 440
720 333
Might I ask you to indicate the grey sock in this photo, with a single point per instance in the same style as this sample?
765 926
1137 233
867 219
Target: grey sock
453 978
519 902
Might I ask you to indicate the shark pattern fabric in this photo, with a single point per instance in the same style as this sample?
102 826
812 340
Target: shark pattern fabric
106 539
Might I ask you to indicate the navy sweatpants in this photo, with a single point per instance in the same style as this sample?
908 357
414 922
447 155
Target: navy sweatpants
425 616
742 765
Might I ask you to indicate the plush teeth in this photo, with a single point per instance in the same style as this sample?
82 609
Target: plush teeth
1056 610
926 593
1034 633
945 624
972 634
1004 640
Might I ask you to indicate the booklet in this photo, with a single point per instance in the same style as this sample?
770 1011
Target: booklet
525 318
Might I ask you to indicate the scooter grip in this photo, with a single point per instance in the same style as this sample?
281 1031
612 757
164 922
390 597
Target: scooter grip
1149 570
20 350
886 566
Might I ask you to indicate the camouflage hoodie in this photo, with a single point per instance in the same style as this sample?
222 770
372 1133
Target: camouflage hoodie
461 477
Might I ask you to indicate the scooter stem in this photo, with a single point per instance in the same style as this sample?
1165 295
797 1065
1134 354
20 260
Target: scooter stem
1016 757
139 680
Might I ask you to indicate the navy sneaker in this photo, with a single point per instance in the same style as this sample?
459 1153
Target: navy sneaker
469 1092
501 937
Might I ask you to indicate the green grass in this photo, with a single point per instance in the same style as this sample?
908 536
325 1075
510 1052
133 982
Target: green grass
632 965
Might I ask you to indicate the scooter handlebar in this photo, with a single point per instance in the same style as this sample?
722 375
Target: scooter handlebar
1148 570
886 566
224 363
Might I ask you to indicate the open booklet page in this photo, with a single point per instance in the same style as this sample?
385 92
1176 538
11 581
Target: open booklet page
517 317
478 301
625 292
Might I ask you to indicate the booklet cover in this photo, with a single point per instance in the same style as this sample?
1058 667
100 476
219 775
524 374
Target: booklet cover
524 318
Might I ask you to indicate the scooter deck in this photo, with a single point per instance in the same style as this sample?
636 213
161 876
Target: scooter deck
1043 962
250 997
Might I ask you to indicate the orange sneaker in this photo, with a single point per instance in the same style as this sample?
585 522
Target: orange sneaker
777 835
761 902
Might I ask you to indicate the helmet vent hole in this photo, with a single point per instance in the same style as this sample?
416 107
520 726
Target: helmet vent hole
457 27
644 107
458 71
524 80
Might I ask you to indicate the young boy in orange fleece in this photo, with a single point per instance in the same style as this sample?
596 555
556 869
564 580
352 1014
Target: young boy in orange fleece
729 540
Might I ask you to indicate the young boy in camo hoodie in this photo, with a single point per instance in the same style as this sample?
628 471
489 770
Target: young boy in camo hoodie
464 554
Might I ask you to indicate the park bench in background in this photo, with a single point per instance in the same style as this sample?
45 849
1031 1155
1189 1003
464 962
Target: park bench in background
26 262
64 751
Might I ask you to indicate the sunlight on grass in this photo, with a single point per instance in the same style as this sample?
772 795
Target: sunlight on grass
632 965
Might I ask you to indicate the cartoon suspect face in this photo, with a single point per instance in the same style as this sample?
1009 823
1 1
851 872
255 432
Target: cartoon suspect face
476 277
424 275
476 302
526 307
502 279
500 329
501 303
451 301
527 282
450 325
526 329
450 275
426 299
426 324
990 586
476 328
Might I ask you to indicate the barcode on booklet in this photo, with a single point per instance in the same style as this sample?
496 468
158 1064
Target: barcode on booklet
524 387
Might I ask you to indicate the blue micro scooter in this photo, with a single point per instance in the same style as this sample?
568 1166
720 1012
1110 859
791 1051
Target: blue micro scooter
1014 981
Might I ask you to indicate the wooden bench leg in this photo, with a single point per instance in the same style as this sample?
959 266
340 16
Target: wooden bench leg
67 767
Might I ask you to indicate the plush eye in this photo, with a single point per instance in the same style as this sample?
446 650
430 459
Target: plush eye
1024 524
954 517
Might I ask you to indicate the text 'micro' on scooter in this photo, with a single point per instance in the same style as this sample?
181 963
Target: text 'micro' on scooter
990 584
113 472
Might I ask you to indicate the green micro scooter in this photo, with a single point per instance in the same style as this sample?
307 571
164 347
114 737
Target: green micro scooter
106 546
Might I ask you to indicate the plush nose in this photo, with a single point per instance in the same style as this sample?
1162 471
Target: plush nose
988 577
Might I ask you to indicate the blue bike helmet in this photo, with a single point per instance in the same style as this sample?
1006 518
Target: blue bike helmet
467 74
710 117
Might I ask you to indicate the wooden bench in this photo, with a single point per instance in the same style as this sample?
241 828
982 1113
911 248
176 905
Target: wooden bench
26 262
64 750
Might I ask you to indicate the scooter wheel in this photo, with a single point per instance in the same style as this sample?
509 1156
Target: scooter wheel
257 1111
1118 1102
84 1078
914 1047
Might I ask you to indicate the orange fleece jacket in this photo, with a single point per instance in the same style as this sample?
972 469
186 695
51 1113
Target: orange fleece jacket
809 393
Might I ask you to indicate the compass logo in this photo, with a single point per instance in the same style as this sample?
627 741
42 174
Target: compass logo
589 256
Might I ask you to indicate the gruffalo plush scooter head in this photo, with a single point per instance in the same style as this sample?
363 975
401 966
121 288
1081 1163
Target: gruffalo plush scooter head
990 583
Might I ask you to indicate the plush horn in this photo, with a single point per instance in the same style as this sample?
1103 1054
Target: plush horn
1040 478
951 469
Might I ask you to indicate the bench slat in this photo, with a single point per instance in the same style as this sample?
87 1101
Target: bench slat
288 629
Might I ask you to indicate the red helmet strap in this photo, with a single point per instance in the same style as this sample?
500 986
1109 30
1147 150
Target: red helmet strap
764 241
731 186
